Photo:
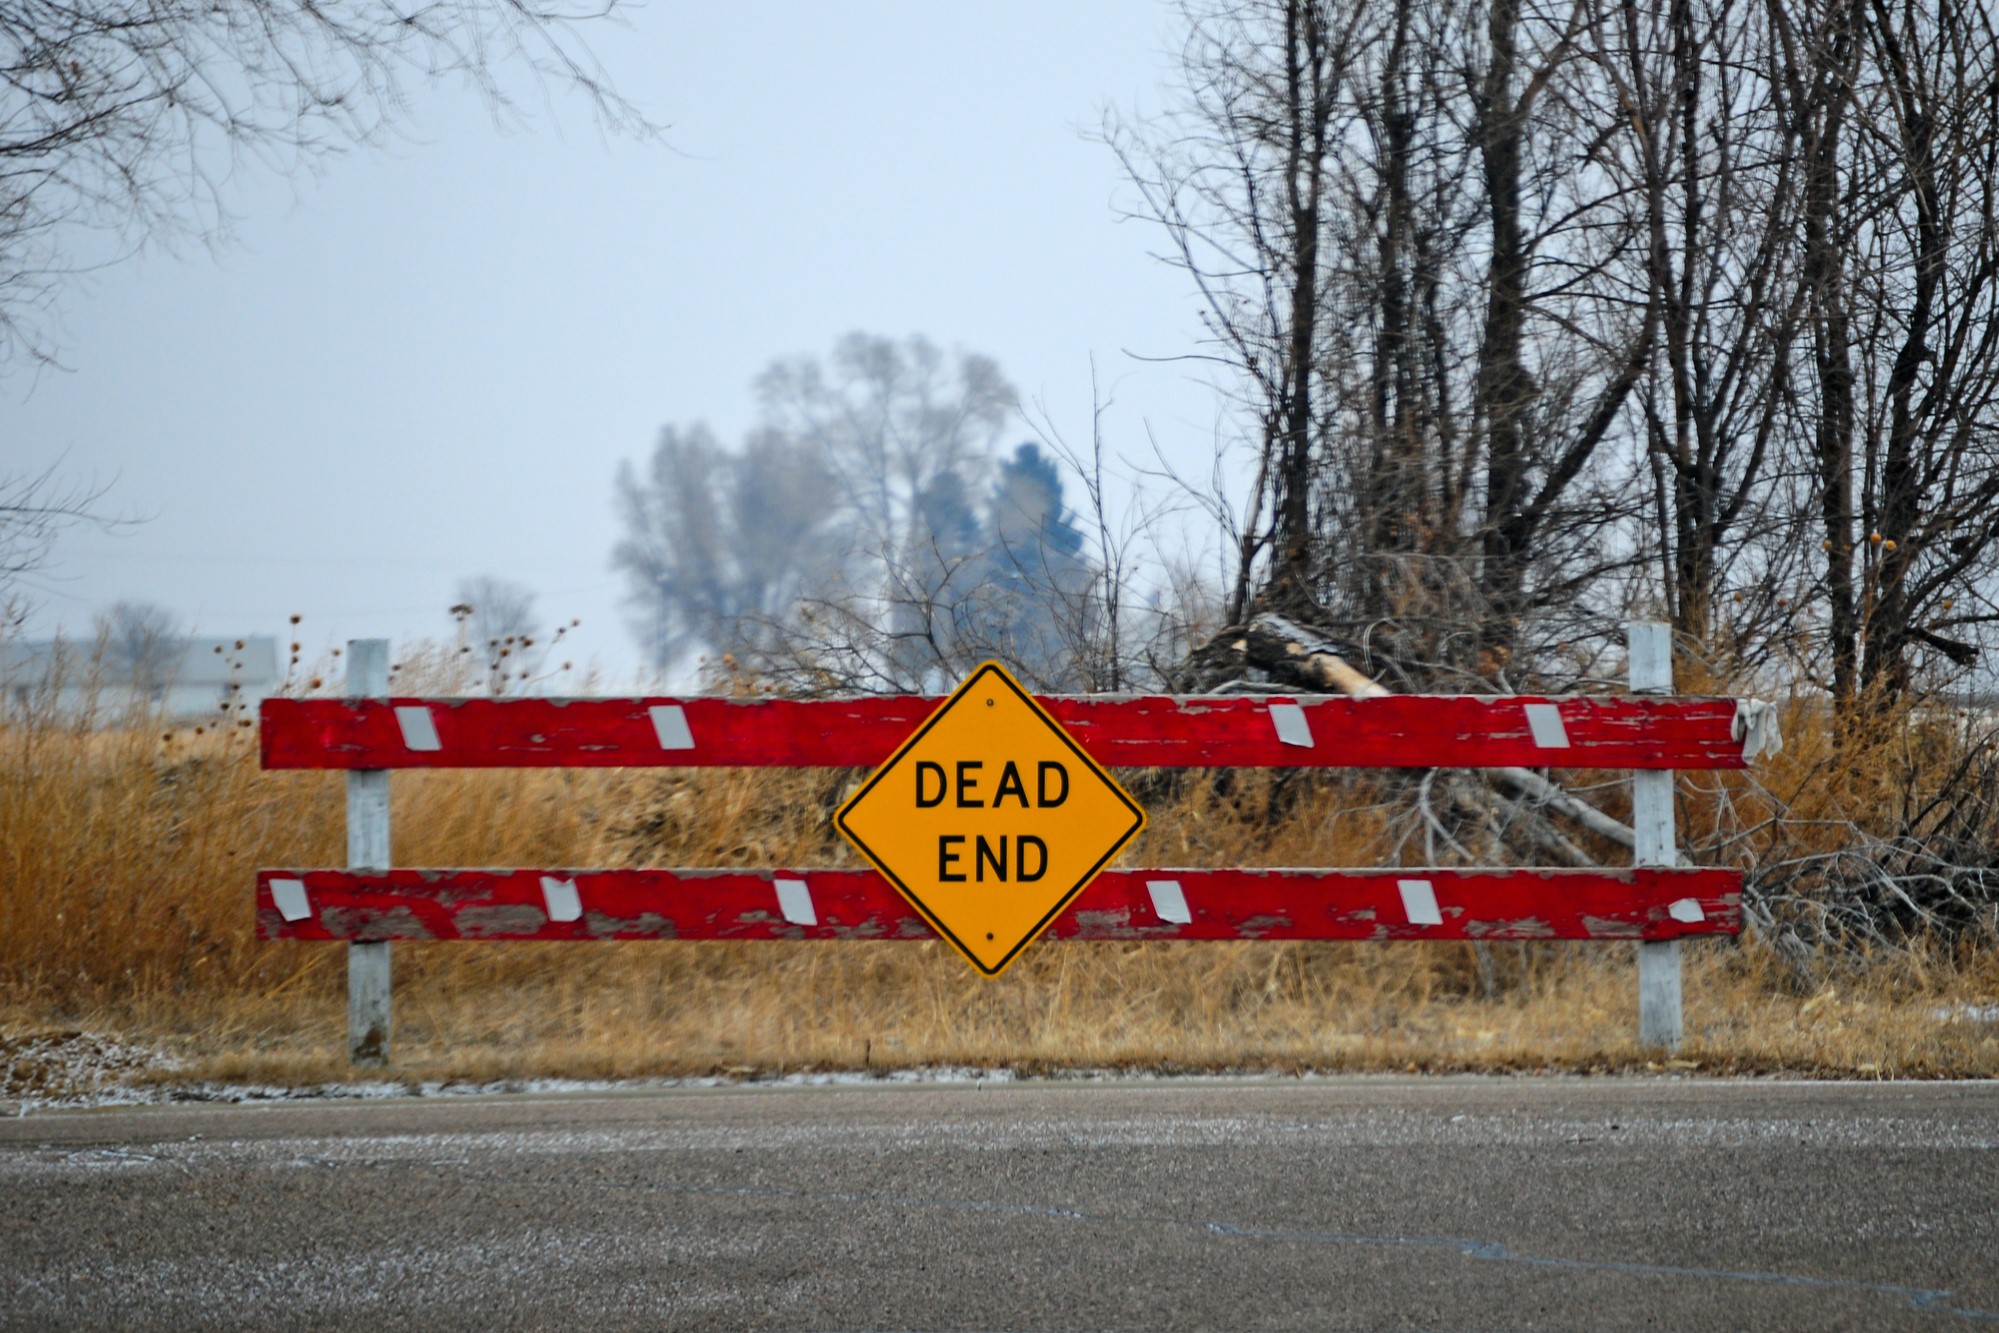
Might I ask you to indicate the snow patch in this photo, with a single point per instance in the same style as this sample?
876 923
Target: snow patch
69 1068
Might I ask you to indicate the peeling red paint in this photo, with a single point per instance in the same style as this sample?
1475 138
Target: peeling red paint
1609 928
1526 928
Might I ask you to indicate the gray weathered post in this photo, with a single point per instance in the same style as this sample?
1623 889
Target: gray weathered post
1659 1020
368 848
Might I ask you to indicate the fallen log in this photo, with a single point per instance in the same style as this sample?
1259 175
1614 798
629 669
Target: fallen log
1273 642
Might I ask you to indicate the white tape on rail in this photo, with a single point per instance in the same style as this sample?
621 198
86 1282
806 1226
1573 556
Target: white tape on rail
794 899
669 723
564 902
289 895
1169 901
1292 726
1419 902
1546 722
419 728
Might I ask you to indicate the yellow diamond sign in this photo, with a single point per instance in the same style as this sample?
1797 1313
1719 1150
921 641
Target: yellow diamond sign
990 819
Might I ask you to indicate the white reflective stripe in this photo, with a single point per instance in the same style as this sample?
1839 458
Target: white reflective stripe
564 903
795 901
1419 902
1292 728
419 731
1546 720
289 895
1687 910
669 723
1169 901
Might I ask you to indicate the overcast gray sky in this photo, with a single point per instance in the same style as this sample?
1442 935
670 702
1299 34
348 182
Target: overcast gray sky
428 363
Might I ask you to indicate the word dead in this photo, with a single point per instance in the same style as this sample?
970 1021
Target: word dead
934 784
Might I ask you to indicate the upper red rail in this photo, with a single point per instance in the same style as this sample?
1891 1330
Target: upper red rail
1168 731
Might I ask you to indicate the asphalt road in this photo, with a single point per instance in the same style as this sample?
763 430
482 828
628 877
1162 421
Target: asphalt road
1326 1204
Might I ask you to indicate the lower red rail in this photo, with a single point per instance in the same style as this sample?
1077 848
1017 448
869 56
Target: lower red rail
1172 904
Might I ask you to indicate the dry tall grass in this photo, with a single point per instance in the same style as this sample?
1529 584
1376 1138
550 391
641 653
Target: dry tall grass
125 906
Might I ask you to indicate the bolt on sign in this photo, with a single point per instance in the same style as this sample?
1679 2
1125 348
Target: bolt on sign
990 819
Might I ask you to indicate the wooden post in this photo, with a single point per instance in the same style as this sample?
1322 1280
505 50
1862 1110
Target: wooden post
368 848
1659 1009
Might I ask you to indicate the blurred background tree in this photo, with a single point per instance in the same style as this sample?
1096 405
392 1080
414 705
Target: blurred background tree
143 642
863 536
499 628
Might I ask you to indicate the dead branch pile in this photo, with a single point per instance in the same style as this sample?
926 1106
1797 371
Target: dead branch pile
1862 842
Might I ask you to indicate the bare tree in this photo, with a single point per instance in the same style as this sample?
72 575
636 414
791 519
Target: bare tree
720 545
142 643
35 509
126 118
1236 176
889 419
1930 350
1897 115
1408 229
864 537
497 619
905 433
1710 167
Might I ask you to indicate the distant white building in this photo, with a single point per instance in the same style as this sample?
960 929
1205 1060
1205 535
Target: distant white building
185 679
